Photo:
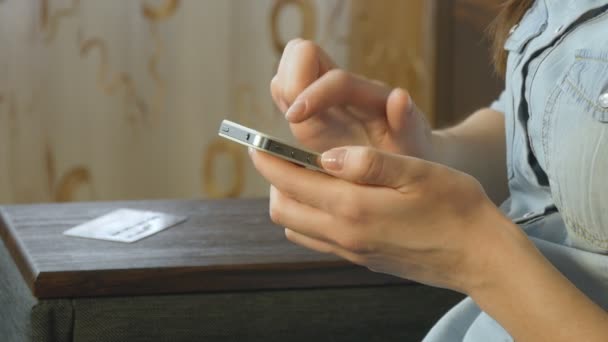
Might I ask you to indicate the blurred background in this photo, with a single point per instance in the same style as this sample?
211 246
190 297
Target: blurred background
114 99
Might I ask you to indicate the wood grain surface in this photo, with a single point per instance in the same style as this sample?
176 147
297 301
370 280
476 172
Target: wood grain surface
225 245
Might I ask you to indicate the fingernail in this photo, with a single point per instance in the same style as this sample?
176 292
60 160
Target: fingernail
333 160
296 109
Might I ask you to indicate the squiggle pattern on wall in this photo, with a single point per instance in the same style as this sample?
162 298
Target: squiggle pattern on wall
154 15
246 106
331 24
309 21
117 79
212 153
163 11
161 86
13 131
49 163
70 182
110 82
75 36
397 52
50 23
65 189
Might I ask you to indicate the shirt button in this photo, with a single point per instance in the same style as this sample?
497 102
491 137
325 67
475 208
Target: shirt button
513 29
604 100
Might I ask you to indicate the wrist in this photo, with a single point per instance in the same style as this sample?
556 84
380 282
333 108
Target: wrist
530 298
498 252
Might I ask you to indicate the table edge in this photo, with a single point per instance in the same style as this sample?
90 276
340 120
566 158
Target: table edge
106 283
18 252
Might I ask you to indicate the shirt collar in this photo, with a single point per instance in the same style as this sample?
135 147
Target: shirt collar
563 13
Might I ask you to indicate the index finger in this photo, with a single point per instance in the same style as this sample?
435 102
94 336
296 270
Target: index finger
339 88
301 64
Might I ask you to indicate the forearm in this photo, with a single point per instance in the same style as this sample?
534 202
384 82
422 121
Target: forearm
477 147
530 298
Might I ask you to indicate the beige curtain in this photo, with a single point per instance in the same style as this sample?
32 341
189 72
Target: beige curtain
115 99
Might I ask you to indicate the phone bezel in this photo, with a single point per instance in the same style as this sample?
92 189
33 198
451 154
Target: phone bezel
269 144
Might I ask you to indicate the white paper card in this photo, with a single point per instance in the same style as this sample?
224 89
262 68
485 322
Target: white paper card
125 225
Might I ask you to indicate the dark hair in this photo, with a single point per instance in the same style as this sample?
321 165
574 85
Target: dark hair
512 11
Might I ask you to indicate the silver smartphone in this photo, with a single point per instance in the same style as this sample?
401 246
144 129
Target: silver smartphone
266 143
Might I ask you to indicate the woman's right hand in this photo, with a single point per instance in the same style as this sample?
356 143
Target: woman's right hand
328 107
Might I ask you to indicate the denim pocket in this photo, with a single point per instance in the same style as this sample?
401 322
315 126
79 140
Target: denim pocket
587 83
575 142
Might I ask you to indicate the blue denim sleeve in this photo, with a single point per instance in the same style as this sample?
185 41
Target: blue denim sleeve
499 104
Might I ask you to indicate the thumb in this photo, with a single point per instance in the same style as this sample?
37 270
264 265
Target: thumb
369 166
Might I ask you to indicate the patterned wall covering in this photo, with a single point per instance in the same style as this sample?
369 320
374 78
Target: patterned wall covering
394 41
114 99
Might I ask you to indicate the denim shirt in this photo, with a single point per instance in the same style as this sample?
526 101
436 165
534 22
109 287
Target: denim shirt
556 117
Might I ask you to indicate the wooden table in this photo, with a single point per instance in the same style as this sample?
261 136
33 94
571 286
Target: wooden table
225 246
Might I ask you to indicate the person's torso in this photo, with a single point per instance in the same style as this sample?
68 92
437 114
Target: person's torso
557 83
556 117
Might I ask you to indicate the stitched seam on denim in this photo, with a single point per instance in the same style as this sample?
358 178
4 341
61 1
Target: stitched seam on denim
544 56
547 120
592 59
510 138
590 103
585 234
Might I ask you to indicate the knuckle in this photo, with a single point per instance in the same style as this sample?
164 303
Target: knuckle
291 43
274 83
275 91
350 207
306 46
304 56
275 86
289 235
355 243
369 166
287 194
340 77
291 92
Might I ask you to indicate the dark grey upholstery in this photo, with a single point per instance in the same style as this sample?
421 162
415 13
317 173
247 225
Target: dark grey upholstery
16 300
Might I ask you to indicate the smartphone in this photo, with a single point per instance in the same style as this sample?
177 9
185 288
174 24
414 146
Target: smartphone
266 143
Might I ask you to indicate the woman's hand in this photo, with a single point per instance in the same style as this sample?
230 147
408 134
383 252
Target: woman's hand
329 107
393 214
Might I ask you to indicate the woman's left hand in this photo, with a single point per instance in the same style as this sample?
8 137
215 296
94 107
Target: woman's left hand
393 214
